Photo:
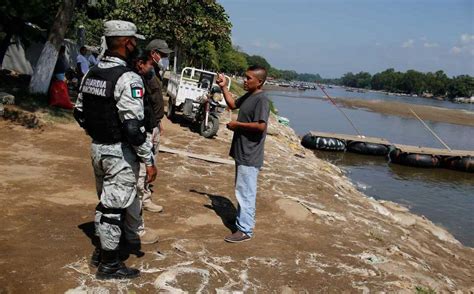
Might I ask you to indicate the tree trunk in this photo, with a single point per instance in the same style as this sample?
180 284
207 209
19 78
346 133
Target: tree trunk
4 47
44 67
175 68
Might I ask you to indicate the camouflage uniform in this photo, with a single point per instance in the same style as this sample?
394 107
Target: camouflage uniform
116 166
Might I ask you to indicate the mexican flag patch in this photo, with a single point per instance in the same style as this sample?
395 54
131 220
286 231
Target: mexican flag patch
137 92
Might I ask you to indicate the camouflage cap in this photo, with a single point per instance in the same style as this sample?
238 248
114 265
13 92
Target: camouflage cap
120 28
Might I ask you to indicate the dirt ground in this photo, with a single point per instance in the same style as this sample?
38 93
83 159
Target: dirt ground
315 232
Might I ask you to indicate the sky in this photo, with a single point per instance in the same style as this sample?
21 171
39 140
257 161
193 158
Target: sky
339 36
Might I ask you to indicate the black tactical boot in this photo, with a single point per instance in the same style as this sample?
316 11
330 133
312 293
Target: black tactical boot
95 258
111 267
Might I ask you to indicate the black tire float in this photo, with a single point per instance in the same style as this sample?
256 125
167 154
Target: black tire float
322 143
461 163
414 159
367 148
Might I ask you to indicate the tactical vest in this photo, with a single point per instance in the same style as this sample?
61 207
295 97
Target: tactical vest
101 119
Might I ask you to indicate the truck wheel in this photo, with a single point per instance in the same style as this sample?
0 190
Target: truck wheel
211 129
171 109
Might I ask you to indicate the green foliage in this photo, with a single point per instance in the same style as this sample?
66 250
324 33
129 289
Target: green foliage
289 75
359 80
436 83
273 108
274 73
258 60
461 86
413 82
307 77
232 61
199 29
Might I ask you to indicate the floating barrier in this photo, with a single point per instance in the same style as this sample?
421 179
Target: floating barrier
367 148
414 159
424 157
461 163
322 143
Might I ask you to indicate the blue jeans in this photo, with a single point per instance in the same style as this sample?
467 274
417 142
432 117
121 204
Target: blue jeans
246 194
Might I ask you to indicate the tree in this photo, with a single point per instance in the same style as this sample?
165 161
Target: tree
274 73
349 80
289 75
461 86
24 18
388 80
197 29
259 61
44 67
307 77
412 82
437 83
233 61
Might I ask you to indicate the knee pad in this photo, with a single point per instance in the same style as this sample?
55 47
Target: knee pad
112 221
134 131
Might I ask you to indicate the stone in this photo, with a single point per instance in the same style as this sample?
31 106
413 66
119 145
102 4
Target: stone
6 98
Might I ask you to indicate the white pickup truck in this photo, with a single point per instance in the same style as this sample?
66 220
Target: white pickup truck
191 84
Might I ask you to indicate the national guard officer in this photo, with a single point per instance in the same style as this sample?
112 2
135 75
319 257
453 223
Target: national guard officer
110 108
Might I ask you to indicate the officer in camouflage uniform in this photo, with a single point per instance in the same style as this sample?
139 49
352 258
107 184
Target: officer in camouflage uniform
110 108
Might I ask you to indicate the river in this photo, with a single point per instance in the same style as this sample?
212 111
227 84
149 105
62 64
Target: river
445 197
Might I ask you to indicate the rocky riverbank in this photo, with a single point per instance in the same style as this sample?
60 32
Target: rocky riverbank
315 231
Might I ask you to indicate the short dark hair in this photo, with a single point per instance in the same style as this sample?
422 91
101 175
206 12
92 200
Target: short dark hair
113 43
142 55
260 70
83 48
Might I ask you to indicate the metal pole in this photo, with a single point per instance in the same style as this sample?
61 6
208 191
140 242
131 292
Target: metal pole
428 128
345 115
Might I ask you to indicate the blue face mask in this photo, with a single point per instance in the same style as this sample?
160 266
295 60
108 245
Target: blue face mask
164 63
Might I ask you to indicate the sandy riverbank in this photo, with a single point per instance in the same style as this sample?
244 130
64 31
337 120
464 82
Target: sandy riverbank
315 231
432 113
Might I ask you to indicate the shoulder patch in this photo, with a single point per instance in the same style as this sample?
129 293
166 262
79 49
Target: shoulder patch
137 90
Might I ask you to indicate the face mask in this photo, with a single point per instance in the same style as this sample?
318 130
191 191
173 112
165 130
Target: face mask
164 63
